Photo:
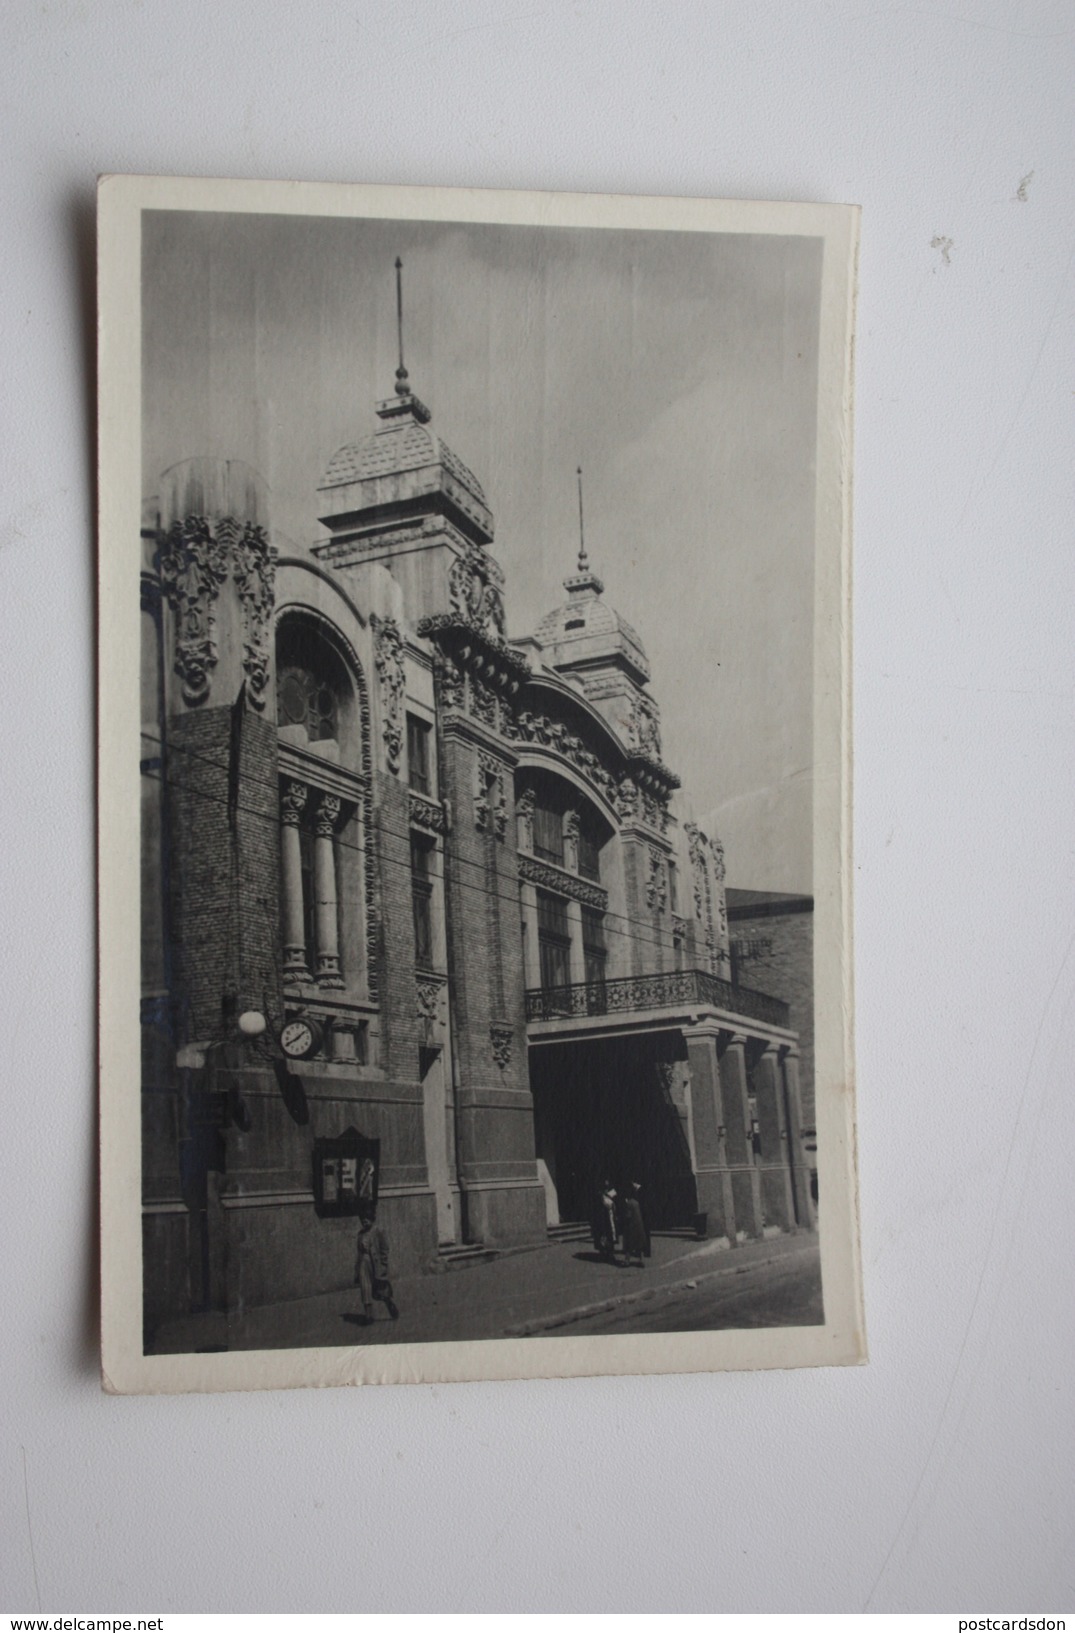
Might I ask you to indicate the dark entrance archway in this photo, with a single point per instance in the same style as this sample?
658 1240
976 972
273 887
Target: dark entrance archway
616 1108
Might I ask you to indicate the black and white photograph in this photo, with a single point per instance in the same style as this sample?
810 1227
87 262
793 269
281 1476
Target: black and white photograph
491 1011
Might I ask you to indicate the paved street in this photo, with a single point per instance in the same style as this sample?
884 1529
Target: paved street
786 1293
560 1288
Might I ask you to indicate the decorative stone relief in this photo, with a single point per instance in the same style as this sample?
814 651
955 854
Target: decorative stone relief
644 725
679 927
483 705
328 815
571 840
698 846
626 800
657 883
427 815
490 801
450 684
193 563
293 803
524 814
255 580
428 992
550 877
392 676
474 590
501 1038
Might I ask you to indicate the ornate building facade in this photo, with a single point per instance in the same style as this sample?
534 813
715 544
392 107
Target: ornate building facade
449 870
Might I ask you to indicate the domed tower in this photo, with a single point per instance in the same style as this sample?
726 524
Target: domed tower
401 497
589 640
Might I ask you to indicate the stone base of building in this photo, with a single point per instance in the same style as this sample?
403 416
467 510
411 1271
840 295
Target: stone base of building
248 1249
510 1215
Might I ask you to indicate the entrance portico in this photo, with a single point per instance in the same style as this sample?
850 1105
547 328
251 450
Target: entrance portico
680 1080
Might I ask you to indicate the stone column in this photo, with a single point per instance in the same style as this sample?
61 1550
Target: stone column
576 957
325 908
528 908
292 805
775 1173
712 1175
800 1172
746 1185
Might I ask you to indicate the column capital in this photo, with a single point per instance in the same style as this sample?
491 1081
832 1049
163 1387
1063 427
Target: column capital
735 1039
293 798
328 815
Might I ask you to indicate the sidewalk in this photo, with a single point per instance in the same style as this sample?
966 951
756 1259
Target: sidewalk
515 1295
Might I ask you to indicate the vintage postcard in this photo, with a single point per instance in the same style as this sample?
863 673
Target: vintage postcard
474 785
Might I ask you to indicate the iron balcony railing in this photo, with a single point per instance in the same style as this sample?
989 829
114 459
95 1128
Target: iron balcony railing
671 990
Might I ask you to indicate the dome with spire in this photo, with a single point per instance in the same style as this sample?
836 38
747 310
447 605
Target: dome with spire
586 633
403 467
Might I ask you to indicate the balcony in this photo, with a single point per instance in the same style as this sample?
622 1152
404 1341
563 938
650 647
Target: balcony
673 990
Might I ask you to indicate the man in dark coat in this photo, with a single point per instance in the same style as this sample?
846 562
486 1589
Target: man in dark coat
636 1242
371 1266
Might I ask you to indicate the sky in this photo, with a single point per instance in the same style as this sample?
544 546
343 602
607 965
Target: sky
679 370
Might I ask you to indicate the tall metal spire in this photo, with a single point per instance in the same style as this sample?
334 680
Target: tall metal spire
402 387
583 582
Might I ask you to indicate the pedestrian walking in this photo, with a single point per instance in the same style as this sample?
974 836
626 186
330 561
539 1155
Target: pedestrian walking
371 1267
636 1242
606 1224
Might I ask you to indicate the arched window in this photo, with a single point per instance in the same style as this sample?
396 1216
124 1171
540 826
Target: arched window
322 790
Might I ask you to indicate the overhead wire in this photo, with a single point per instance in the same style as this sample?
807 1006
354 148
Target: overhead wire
639 927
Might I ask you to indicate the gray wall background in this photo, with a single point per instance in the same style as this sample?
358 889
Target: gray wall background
937 1478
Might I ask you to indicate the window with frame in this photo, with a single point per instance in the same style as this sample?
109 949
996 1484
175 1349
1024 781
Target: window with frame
548 834
554 940
422 901
589 853
594 951
419 759
304 698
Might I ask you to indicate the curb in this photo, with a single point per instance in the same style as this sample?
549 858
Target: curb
529 1329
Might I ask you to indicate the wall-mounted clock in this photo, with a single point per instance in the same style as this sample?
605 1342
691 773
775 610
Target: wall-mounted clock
300 1038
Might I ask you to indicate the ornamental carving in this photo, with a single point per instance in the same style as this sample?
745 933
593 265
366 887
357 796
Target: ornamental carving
255 580
428 993
698 845
292 803
483 704
393 679
474 591
193 563
328 815
428 816
679 927
717 852
657 883
550 877
501 1038
626 800
572 829
490 800
654 813
524 814
450 684
547 733
644 725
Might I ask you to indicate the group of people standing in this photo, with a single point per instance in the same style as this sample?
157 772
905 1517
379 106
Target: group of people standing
620 1225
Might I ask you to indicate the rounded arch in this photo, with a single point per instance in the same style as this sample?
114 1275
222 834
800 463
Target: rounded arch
312 619
550 763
